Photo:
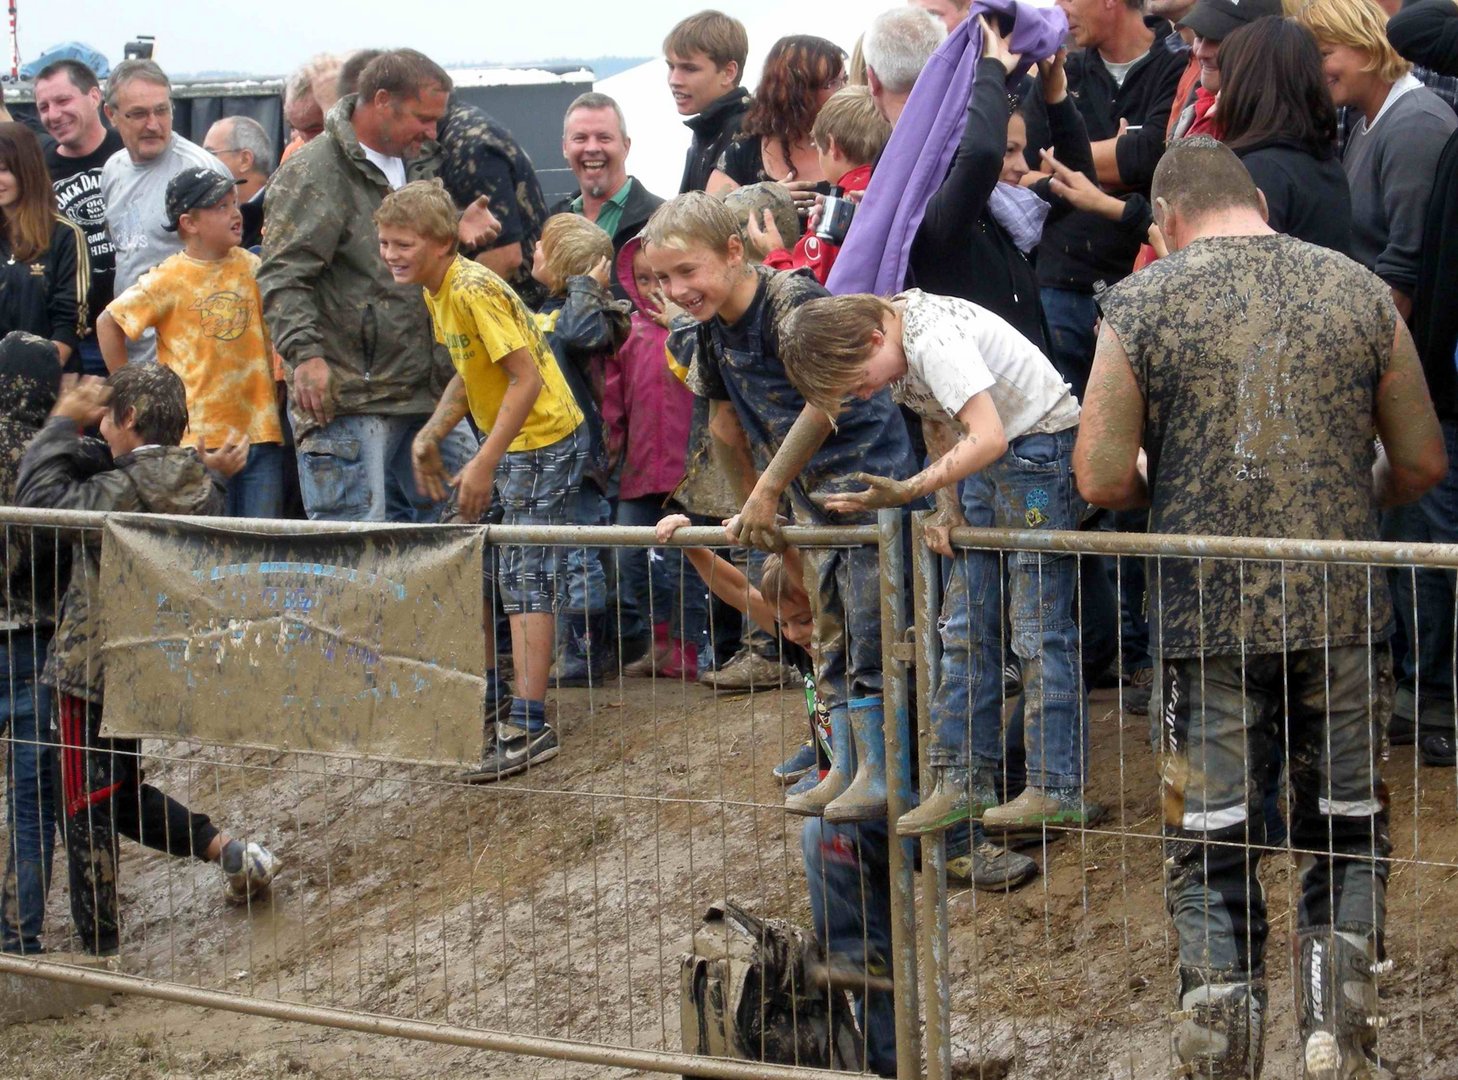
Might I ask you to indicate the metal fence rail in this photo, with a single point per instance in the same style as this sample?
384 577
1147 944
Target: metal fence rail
544 915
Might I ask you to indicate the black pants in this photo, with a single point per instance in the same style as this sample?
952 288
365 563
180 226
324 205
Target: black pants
102 794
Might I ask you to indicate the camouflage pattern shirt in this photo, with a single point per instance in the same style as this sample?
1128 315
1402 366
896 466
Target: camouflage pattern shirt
478 156
1259 359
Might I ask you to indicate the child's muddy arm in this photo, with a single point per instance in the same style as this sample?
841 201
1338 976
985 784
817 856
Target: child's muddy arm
757 522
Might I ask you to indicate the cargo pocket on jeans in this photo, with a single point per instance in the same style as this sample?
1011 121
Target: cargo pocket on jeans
332 479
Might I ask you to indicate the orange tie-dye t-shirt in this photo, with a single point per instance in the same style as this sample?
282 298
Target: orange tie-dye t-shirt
209 324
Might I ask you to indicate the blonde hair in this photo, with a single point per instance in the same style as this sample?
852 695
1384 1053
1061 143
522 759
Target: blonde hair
694 219
424 207
851 118
779 581
1358 24
571 245
825 343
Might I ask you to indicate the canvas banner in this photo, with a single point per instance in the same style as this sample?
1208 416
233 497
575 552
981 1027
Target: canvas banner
365 641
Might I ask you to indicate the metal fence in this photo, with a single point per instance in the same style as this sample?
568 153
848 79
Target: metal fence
546 915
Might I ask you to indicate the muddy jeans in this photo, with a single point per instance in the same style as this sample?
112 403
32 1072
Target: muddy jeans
1030 487
102 795
847 622
1217 722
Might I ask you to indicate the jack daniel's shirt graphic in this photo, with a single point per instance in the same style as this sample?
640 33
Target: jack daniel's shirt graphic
77 182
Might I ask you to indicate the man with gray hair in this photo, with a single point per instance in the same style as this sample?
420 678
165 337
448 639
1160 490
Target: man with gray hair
595 143
134 180
309 93
242 145
896 47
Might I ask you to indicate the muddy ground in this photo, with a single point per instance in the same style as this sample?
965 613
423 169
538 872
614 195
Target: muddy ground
558 903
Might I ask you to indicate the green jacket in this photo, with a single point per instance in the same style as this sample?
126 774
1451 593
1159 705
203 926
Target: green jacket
326 291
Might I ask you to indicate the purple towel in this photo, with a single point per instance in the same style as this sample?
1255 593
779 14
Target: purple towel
916 159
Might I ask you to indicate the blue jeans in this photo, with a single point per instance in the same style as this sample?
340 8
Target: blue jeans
357 468
90 356
1030 487
847 871
1425 602
655 584
1071 317
257 491
30 790
586 582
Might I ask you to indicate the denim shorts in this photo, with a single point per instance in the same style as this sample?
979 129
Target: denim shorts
533 487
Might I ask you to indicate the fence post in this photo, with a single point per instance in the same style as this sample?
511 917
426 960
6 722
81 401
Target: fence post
898 793
926 583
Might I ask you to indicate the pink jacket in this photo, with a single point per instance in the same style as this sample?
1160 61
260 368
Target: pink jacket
645 409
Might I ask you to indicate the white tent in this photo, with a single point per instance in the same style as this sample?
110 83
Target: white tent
659 137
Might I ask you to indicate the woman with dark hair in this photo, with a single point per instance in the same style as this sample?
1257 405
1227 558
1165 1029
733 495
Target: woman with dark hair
1276 113
44 266
799 75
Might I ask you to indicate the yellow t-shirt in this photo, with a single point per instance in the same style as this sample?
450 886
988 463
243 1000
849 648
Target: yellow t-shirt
209 324
480 319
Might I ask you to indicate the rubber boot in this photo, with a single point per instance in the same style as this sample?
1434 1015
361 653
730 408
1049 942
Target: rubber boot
944 807
682 663
842 758
652 662
865 799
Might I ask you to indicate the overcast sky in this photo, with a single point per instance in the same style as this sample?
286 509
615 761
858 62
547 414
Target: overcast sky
269 37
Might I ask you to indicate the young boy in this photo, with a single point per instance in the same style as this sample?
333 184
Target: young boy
533 452
584 327
705 55
849 135
204 305
733 353
142 412
993 405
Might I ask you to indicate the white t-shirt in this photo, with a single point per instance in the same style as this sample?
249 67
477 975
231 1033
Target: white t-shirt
955 350
392 167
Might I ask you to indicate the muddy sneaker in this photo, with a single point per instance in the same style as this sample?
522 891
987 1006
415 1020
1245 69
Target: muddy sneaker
514 751
991 868
247 870
750 671
1036 808
796 765
1141 688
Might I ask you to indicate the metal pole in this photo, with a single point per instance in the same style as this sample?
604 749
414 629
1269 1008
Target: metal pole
617 1057
926 587
895 652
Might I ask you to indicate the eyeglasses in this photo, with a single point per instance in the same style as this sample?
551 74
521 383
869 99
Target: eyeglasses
226 150
141 116
840 82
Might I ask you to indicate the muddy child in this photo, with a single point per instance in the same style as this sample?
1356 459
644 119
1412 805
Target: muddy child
732 350
532 454
142 413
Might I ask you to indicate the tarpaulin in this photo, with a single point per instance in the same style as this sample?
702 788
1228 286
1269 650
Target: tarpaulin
365 641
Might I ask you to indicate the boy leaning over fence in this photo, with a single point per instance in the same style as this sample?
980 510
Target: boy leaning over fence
142 413
732 350
532 455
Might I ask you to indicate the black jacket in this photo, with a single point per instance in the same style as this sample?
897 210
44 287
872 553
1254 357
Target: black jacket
47 295
1306 195
637 209
959 248
1426 33
712 128
1434 321
1084 252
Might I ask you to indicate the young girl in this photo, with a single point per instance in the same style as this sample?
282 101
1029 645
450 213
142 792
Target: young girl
45 270
646 415
584 327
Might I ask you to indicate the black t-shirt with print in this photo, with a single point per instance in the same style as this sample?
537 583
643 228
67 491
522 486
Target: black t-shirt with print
78 196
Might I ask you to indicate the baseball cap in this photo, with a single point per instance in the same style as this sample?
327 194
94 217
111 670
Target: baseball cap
1215 20
195 189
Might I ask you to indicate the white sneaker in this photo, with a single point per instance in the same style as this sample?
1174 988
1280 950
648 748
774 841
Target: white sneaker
257 867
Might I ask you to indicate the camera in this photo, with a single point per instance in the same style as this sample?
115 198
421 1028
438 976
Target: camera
835 217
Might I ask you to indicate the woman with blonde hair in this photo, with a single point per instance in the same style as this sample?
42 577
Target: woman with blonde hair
45 270
1391 155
